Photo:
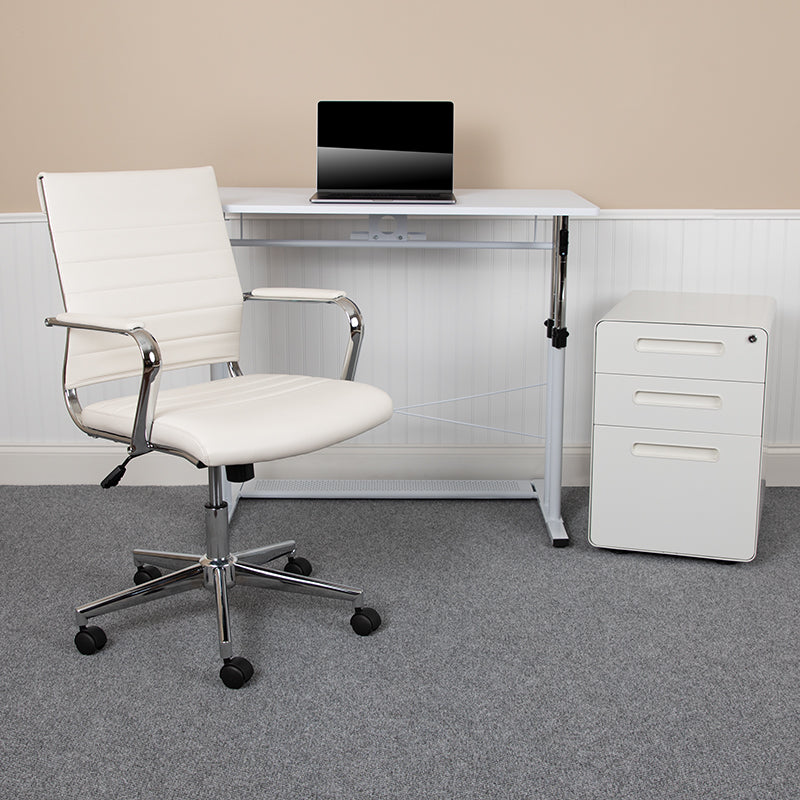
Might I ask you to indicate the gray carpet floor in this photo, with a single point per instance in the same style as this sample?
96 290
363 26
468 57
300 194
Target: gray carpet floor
505 668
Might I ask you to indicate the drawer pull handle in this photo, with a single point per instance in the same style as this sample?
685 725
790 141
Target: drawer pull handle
707 454
710 402
680 347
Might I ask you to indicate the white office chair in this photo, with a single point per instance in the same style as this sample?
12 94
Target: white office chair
149 284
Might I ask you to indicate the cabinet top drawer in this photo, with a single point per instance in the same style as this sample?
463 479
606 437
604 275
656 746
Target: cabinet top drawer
682 351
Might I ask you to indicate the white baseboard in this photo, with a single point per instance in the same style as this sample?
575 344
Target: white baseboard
89 463
62 464
782 465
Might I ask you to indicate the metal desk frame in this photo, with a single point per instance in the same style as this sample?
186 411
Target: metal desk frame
558 204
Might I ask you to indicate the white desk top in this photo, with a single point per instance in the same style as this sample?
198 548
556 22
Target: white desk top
469 202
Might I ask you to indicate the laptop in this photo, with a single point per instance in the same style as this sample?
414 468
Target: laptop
384 152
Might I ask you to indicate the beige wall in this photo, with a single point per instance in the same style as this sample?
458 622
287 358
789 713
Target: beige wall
631 103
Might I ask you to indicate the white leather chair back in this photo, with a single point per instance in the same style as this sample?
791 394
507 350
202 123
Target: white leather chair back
149 247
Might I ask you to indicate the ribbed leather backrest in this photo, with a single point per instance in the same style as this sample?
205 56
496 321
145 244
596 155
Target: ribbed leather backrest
149 246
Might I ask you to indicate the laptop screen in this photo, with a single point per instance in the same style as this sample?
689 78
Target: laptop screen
385 146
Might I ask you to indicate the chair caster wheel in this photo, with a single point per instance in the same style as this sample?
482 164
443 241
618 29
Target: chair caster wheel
298 566
235 672
365 621
89 639
146 573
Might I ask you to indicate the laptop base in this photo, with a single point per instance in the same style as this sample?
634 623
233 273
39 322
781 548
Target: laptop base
330 197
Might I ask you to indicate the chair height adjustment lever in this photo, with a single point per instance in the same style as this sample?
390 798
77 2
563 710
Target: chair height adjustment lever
115 476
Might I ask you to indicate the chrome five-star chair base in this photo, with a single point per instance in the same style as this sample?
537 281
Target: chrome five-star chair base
218 570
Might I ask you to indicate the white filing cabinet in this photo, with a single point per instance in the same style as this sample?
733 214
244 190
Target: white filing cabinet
678 420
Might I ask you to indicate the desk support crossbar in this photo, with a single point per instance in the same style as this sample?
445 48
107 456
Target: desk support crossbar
409 243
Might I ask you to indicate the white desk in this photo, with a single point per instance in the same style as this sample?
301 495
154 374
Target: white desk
527 203
471 202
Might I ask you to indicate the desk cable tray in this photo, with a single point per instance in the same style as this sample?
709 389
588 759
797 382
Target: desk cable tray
390 230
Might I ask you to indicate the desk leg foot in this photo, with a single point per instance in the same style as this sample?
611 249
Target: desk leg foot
557 531
554 523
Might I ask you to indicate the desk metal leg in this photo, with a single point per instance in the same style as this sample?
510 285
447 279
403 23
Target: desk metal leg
550 496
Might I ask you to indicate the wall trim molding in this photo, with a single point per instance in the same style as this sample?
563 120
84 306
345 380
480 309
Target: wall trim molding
26 216
694 213
73 464
62 464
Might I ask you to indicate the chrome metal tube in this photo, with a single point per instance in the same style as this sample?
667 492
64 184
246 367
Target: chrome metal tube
234 370
159 558
150 352
355 322
184 579
262 555
217 545
215 483
252 575
223 614
148 391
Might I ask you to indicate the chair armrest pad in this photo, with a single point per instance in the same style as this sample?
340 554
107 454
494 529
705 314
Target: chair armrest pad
93 322
296 295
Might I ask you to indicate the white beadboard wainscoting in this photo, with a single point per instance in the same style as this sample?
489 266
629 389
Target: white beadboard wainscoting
447 333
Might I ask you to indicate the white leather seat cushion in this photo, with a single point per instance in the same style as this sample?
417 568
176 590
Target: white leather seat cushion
251 418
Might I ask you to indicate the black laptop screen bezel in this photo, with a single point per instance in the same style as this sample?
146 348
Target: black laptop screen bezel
403 147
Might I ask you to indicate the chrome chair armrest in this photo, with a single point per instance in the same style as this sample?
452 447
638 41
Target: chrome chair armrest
151 367
355 321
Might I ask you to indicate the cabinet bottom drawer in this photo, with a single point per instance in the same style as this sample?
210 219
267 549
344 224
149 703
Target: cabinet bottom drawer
684 493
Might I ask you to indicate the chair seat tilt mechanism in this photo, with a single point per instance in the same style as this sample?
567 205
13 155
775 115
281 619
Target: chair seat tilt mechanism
149 284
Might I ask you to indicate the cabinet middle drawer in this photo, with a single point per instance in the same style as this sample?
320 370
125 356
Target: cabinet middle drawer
640 401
